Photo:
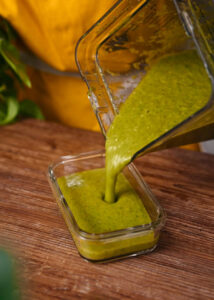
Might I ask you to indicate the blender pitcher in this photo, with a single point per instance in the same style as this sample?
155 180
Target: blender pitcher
117 52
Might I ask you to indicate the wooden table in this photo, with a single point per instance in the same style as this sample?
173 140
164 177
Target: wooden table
31 225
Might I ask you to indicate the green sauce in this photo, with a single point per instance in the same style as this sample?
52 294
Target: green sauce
101 200
176 87
84 193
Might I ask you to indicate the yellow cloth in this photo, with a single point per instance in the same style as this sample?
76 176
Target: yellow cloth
51 29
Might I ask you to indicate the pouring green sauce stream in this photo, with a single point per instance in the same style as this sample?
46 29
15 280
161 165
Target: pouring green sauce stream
175 88
172 90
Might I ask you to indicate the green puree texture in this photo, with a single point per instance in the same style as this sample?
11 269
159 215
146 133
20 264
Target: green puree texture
174 88
84 192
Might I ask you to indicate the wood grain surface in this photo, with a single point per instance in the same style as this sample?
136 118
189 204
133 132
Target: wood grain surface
48 264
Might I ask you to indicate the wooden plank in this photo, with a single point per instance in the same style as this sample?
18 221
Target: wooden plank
49 266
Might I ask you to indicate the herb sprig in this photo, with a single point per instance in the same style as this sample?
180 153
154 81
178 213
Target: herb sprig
12 70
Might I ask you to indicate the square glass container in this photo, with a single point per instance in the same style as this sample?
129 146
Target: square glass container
119 50
109 245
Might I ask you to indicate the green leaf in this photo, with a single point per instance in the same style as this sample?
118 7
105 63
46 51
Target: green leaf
30 109
7 82
11 33
2 115
2 88
11 56
2 109
12 109
7 30
3 34
8 287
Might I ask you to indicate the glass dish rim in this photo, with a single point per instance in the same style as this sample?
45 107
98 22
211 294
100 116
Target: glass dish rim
62 160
